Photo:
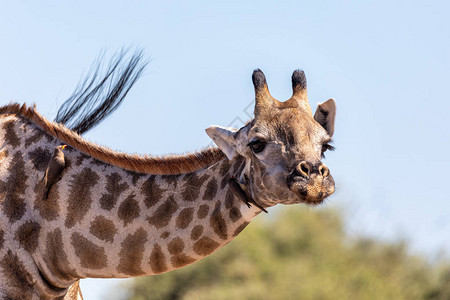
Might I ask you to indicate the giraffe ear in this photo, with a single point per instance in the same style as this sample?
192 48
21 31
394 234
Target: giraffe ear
225 139
325 115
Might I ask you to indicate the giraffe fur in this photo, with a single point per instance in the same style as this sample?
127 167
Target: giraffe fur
107 219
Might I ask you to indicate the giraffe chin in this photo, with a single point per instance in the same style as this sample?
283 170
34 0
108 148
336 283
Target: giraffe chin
314 191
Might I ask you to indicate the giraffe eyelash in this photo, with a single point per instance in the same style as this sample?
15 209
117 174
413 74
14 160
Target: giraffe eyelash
326 147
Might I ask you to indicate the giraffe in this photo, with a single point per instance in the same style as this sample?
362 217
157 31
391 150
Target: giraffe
114 215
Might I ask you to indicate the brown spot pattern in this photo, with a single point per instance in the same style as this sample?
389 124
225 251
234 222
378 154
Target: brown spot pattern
196 232
185 217
114 189
80 158
218 223
224 170
2 238
229 199
211 190
91 256
238 166
175 246
239 229
34 138
161 217
181 260
171 180
202 211
135 176
128 210
80 196
165 235
103 229
12 190
152 192
225 166
205 246
68 163
11 137
157 260
28 234
224 182
16 277
132 252
56 257
192 185
99 163
235 214
40 158
48 208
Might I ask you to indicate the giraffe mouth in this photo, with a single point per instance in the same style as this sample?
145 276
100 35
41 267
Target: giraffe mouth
312 191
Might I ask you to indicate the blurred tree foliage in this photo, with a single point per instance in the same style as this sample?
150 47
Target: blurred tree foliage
301 254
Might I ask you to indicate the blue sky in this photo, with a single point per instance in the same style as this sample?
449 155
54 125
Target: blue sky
385 62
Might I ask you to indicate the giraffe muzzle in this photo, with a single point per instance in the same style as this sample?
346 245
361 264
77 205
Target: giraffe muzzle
311 183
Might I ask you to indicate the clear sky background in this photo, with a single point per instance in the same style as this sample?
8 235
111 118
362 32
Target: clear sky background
386 63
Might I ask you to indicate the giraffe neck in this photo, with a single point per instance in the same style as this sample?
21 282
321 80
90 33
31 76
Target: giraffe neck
124 224
102 221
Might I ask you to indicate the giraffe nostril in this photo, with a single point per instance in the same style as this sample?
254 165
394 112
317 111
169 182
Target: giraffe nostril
323 170
303 169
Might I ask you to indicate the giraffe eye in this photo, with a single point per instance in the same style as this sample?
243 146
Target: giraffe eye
326 147
257 146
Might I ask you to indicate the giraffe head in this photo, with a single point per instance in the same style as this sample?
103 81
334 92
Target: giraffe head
282 146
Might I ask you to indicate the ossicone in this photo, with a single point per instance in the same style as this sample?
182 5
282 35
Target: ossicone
259 79
263 99
299 85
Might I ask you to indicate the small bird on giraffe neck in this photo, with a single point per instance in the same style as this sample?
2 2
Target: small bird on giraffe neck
54 170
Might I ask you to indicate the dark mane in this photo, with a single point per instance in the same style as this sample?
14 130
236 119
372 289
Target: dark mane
96 97
170 164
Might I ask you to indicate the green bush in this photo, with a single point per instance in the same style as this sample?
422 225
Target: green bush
300 253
